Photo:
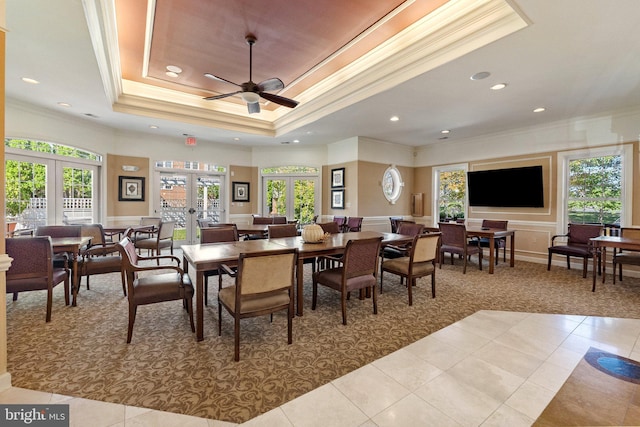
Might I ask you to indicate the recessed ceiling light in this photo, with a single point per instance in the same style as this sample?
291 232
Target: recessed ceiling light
296 141
539 110
64 104
171 74
394 118
481 75
32 81
174 69
498 86
153 127
236 139
445 131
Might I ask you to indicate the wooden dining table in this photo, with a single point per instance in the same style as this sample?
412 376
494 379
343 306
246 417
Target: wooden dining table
492 234
600 245
72 246
260 230
209 256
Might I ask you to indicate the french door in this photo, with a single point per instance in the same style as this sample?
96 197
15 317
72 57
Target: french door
295 197
186 197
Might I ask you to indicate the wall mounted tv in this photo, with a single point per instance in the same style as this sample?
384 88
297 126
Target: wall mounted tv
513 188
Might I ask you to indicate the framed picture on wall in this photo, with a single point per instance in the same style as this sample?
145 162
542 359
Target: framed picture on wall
131 189
337 178
337 199
240 191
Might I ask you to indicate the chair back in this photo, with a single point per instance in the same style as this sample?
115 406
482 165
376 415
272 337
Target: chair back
410 228
283 230
260 273
425 247
165 232
630 233
129 260
279 219
219 234
95 232
340 220
330 227
361 257
354 223
151 220
493 223
59 230
453 234
262 220
32 258
580 234
394 223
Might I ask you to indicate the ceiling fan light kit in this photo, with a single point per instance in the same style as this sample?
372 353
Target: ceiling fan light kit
251 92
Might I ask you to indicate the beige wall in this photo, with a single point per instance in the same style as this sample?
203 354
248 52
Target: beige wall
244 174
114 165
371 201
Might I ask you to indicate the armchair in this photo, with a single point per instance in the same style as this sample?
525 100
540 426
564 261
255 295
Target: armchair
455 241
578 244
163 239
216 235
264 285
153 288
100 257
626 256
499 242
32 269
354 223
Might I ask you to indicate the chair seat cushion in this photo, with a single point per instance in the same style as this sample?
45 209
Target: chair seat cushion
101 264
333 279
627 258
394 252
162 287
571 250
471 250
35 284
250 305
401 266
498 241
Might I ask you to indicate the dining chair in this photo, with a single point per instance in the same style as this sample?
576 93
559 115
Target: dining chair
353 223
289 230
166 283
340 220
420 262
394 222
257 219
405 228
60 260
332 227
100 257
576 243
163 239
32 269
153 224
454 240
264 283
216 235
357 272
279 220
499 242
625 256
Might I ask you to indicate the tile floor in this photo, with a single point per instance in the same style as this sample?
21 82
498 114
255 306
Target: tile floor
492 368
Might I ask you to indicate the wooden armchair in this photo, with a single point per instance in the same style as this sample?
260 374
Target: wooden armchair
626 257
32 269
264 285
153 288
398 251
100 257
354 223
455 241
499 242
357 272
577 244
216 235
162 239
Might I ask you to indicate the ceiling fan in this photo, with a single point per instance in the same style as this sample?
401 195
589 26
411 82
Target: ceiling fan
252 92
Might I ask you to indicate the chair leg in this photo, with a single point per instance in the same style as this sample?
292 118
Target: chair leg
88 288
67 291
374 297
132 319
124 283
433 284
236 342
549 262
290 324
480 260
314 298
381 273
15 296
410 282
584 267
189 301
343 301
568 263
206 290
49 302
219 318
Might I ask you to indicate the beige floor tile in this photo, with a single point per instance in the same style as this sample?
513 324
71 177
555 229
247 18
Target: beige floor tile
532 329
407 369
550 376
16 395
165 419
484 325
562 322
413 412
530 399
436 352
370 389
324 406
466 405
509 359
506 416
565 358
486 378
460 338
536 348
275 417
85 412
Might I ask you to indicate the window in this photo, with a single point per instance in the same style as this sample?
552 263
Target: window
450 185
596 186
392 184
290 191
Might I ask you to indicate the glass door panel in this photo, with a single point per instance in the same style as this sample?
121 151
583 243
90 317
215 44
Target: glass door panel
25 194
77 195
173 203
276 197
304 198
293 197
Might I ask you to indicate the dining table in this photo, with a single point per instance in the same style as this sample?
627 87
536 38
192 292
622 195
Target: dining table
492 234
600 245
209 256
72 246
258 230
111 230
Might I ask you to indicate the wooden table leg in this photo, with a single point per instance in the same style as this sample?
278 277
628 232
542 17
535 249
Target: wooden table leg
603 260
492 247
300 286
595 267
512 250
75 284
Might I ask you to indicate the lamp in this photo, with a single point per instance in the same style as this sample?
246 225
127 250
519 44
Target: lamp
250 97
129 168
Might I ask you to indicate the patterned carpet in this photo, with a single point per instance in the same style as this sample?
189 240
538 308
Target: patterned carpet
83 352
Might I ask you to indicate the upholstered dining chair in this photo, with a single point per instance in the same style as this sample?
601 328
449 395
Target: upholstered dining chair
420 262
499 242
216 235
289 230
332 227
394 222
60 260
163 239
100 257
279 220
454 240
169 285
153 224
626 256
340 220
353 223
32 269
257 219
357 272
576 243
408 229
264 284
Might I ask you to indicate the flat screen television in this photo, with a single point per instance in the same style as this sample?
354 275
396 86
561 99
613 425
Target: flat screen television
512 188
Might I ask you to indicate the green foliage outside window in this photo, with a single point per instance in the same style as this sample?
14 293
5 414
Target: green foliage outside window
595 190
452 194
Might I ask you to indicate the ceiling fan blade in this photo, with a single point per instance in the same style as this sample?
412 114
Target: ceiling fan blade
281 100
224 95
270 85
254 107
214 77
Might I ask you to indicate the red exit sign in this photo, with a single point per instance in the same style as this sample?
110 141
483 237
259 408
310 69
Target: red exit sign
191 141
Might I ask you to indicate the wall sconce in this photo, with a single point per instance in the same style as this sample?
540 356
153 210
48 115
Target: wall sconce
129 168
